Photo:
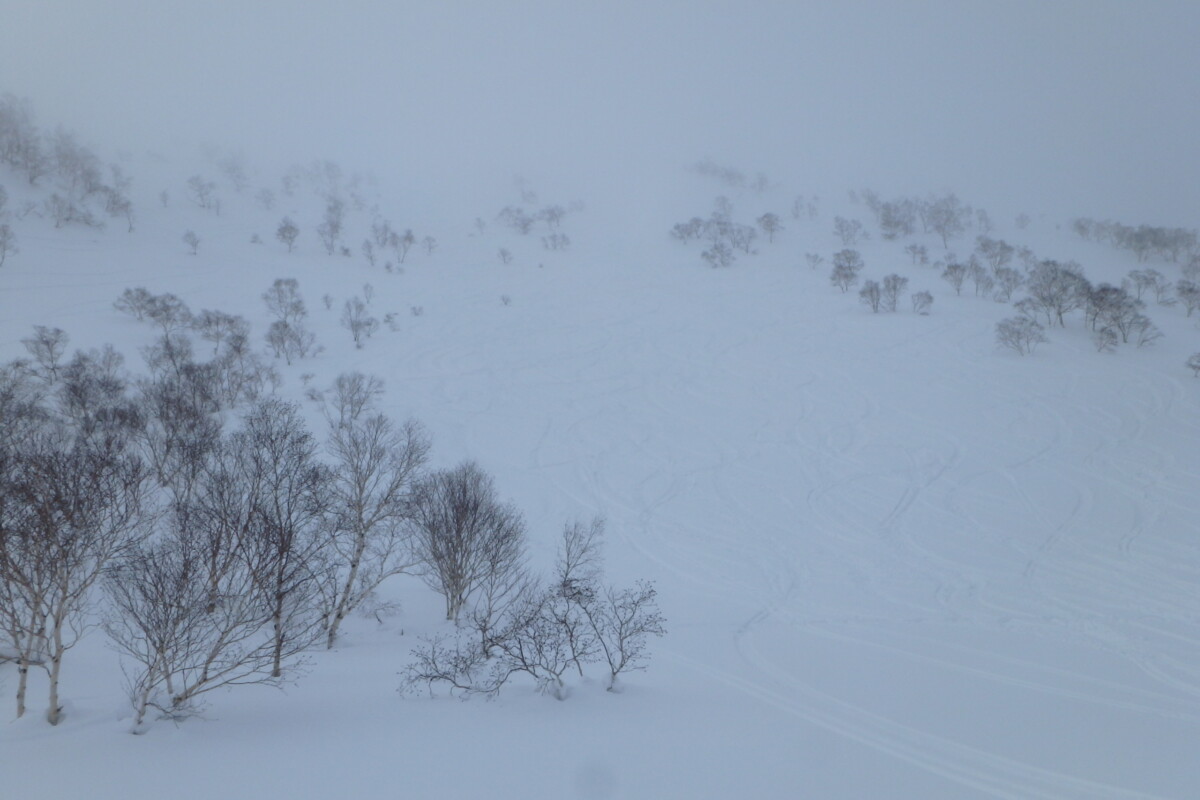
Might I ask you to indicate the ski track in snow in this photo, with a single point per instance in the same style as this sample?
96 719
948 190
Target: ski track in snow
1066 571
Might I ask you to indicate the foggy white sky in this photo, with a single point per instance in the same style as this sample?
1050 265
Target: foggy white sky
1088 107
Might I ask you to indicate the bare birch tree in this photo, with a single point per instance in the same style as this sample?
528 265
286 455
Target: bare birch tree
463 533
375 465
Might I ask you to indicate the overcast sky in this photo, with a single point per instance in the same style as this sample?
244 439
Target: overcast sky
1088 107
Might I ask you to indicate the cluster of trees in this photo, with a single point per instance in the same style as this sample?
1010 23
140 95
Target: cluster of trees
512 622
193 515
996 269
525 217
221 556
383 238
1144 241
945 215
82 189
287 336
885 296
725 237
1056 289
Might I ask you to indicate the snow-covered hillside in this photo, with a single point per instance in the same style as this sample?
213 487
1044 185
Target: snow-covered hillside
895 560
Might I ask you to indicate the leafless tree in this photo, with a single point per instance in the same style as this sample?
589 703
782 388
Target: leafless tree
1145 332
955 274
980 277
220 328
1188 293
180 424
896 218
8 243
741 236
74 502
287 545
76 167
47 346
290 341
1113 308
946 216
1105 339
516 218
1020 334
284 302
719 254
546 630
287 232
770 225
921 303
358 320
330 229
203 193
871 295
918 252
20 141
463 533
996 252
192 241
893 286
402 244
135 302
186 609
1141 280
375 465
849 231
556 241
66 210
1152 280
687 231
1193 363
1008 280
1057 289
846 266
167 311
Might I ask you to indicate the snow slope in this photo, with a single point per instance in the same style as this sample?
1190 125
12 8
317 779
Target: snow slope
896 562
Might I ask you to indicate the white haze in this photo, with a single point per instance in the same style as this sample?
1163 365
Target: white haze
1066 108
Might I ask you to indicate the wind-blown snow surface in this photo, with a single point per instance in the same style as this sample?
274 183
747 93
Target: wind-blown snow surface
895 561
